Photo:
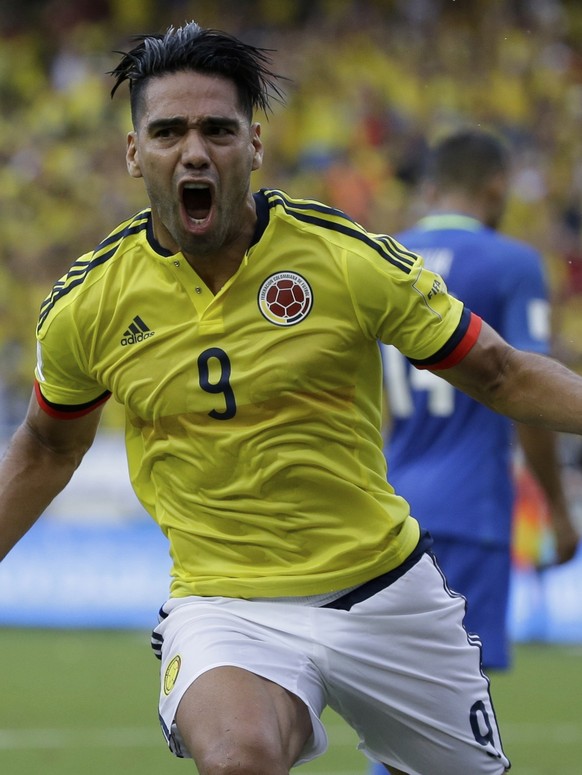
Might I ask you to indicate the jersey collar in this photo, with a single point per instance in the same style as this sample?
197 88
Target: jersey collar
152 241
450 221
262 207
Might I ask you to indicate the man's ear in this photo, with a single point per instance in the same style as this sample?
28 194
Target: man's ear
257 145
132 156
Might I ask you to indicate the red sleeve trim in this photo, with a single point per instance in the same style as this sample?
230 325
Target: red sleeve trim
64 412
464 346
457 347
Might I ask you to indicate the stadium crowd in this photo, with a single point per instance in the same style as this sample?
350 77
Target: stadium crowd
373 83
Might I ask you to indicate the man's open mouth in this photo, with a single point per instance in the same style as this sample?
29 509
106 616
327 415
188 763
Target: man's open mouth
197 200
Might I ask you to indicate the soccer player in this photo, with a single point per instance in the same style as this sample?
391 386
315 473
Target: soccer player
239 329
450 456
443 441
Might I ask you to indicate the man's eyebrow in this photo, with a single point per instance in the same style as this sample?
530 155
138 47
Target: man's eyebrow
225 121
163 123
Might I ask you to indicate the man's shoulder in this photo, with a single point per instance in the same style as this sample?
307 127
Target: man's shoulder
312 216
93 266
313 221
126 235
514 244
489 244
306 212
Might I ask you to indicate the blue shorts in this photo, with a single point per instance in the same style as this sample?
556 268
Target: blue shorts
482 575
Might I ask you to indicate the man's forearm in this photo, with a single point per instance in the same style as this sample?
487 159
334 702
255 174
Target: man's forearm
539 446
529 388
31 475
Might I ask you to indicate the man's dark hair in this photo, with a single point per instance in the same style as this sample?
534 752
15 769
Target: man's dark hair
467 159
194 48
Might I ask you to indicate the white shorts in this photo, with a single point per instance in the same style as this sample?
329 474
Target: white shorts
398 666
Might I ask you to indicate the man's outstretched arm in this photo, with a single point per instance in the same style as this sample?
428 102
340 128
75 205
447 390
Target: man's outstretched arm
43 454
527 387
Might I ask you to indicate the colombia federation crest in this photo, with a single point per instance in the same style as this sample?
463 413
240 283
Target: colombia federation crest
285 298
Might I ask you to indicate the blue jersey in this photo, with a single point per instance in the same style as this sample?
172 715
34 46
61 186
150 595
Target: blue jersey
448 455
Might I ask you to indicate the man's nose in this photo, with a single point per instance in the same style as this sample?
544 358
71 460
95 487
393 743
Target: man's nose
194 149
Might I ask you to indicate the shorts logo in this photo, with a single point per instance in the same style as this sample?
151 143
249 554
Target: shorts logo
171 674
285 298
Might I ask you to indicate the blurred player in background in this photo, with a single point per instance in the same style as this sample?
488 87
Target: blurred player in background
441 440
239 330
448 455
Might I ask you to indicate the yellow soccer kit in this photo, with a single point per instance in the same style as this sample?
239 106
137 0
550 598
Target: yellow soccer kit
253 415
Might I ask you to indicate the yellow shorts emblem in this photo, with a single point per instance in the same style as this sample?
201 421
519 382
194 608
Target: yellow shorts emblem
171 674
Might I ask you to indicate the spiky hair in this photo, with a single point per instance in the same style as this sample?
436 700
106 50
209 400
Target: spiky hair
194 48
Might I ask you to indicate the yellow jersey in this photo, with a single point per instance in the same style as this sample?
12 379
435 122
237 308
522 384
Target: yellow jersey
253 416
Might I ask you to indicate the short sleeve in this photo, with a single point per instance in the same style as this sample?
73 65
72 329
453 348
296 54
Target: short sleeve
64 384
408 306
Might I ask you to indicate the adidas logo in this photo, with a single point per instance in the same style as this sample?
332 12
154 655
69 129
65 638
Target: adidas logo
137 332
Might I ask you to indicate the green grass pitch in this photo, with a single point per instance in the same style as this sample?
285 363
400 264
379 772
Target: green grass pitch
86 702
